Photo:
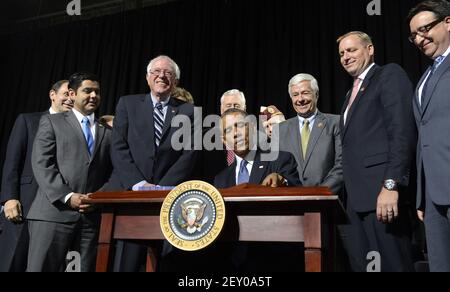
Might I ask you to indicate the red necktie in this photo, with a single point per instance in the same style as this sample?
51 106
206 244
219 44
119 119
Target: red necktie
230 157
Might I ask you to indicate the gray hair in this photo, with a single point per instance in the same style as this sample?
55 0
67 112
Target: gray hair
174 65
304 77
233 92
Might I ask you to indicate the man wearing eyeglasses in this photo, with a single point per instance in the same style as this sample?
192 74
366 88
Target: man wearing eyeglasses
141 150
19 186
377 132
429 24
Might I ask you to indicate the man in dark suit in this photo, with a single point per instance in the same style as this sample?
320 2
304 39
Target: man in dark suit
18 184
378 135
256 167
142 152
429 23
320 163
70 159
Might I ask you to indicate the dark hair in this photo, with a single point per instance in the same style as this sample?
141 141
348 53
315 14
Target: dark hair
76 79
58 84
441 8
234 111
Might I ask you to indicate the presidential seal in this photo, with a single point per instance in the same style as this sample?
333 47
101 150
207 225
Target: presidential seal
192 215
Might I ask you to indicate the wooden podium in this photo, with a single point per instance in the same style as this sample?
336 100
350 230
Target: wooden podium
253 213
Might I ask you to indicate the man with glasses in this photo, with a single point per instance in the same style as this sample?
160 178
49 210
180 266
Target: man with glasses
429 24
141 150
19 186
377 132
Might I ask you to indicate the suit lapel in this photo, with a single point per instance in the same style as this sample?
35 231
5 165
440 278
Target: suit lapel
319 124
359 96
73 122
258 170
295 141
172 111
144 110
416 97
99 134
433 83
230 176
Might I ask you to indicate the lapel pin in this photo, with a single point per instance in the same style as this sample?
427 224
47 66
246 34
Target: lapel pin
362 89
173 111
261 166
320 125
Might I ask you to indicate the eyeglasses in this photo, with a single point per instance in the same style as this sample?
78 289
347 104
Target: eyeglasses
423 30
167 73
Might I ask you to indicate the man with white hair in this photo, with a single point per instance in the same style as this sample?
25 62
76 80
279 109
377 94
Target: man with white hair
233 98
312 137
141 149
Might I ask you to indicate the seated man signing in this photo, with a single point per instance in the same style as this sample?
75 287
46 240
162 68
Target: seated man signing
252 165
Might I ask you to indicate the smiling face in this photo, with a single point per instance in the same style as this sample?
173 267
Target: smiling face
356 56
304 99
161 78
434 42
61 101
87 97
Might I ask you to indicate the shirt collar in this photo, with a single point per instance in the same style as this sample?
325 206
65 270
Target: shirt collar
52 111
446 52
155 101
364 74
250 157
310 119
80 116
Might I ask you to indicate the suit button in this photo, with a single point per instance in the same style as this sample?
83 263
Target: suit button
424 123
305 178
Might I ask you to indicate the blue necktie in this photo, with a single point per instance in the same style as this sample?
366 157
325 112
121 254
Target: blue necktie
436 64
158 116
88 135
243 176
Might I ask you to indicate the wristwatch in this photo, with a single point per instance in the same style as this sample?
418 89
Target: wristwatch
390 185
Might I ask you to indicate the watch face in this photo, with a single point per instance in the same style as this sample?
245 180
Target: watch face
389 184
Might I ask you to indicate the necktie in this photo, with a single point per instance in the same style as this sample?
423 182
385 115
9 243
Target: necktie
88 134
433 69
230 157
355 90
158 117
305 136
243 176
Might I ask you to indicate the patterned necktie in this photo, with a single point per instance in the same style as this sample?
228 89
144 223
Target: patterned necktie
88 134
433 69
305 136
243 176
230 157
158 117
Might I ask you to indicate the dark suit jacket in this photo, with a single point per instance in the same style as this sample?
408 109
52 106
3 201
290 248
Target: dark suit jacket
433 123
18 182
61 165
323 163
134 155
378 138
284 165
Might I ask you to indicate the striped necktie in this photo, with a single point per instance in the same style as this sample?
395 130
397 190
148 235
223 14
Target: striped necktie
158 117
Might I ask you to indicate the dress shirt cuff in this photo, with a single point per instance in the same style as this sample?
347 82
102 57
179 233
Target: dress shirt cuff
67 198
138 185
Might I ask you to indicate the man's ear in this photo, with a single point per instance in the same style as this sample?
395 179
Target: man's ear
52 94
447 23
72 93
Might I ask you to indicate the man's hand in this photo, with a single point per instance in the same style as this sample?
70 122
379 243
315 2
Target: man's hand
148 185
387 206
77 204
13 211
274 180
